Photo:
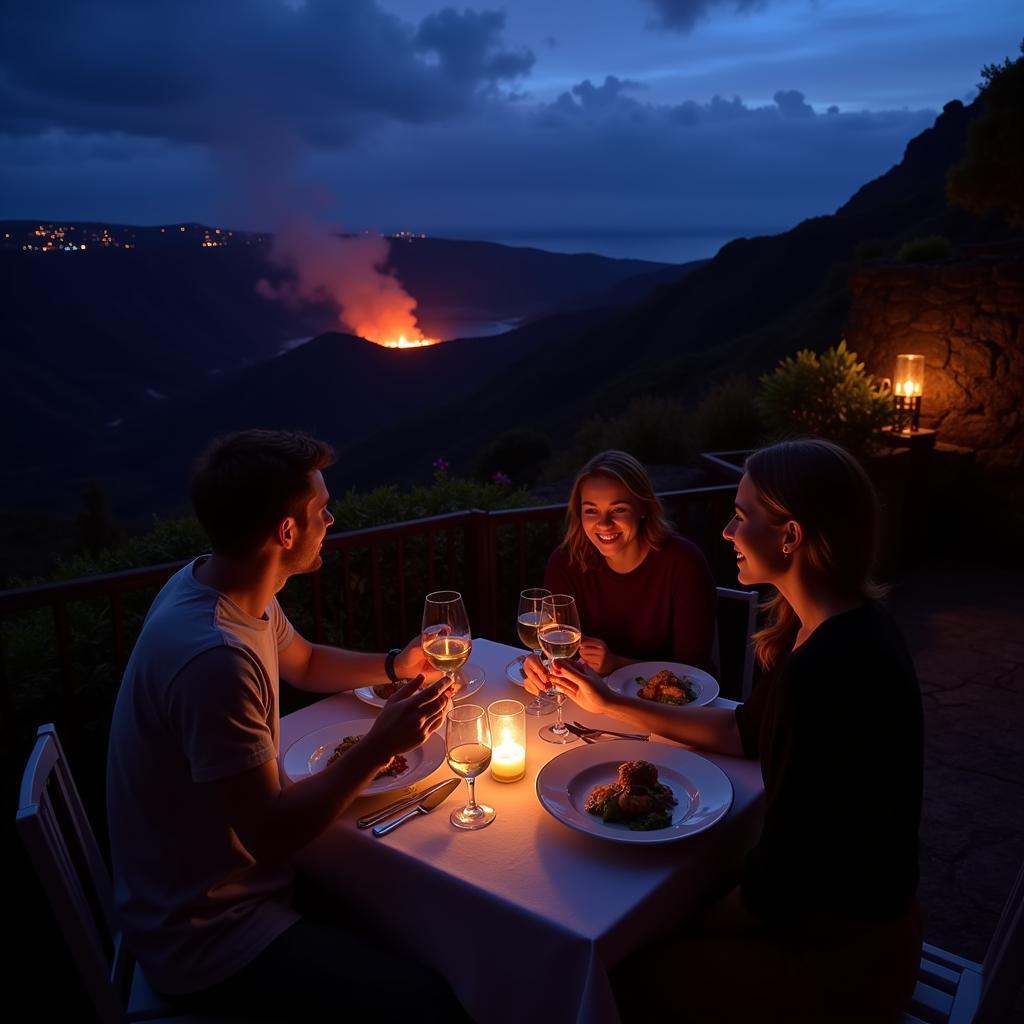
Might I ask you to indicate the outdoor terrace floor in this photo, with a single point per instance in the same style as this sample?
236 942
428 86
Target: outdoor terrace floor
965 627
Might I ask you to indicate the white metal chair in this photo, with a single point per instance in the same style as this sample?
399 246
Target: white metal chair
62 847
951 990
734 652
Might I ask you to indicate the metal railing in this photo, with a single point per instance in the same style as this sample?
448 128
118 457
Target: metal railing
367 594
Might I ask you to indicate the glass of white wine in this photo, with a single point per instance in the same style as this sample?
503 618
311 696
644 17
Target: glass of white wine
467 743
527 618
445 636
558 633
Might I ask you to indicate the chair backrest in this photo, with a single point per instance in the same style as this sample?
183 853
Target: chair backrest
1004 962
734 626
62 847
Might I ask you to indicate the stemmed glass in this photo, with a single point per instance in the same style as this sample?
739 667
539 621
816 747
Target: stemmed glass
527 617
445 636
467 743
558 633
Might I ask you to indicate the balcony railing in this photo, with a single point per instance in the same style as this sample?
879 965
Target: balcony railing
64 635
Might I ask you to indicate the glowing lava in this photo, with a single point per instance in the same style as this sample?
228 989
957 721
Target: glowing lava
404 342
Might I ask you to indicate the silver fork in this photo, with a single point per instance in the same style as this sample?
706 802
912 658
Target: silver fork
585 731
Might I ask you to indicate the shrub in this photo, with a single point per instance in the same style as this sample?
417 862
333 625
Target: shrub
654 429
925 250
871 249
827 396
726 417
517 454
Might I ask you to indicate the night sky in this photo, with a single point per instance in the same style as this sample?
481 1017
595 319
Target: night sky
633 127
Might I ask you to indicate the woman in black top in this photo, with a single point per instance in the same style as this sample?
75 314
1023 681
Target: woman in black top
823 924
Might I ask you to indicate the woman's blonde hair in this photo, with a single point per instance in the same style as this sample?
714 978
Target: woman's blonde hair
825 489
654 528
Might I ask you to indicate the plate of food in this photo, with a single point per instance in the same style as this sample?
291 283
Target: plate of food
468 680
634 792
314 751
665 682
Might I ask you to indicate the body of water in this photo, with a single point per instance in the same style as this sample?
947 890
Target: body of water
660 245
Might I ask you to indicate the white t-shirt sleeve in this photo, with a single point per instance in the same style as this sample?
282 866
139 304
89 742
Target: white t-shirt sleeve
221 708
284 631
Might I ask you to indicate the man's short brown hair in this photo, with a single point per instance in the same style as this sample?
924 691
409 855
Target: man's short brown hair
244 484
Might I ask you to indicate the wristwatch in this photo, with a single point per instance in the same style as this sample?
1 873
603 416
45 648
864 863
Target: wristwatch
389 663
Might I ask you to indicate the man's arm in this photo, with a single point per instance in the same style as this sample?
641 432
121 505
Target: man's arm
274 822
323 669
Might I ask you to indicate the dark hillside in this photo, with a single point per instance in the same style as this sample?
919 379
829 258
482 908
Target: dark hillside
337 386
115 338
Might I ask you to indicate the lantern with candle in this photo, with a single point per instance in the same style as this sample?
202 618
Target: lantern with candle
908 389
508 738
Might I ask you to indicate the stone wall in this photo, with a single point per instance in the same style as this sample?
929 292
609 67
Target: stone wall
967 320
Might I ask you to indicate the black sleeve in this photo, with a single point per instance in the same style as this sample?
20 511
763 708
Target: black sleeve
749 715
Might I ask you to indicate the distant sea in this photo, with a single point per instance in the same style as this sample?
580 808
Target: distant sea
660 245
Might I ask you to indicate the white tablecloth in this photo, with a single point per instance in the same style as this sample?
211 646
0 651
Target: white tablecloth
523 917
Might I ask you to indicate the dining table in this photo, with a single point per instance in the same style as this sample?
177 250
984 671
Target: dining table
524 918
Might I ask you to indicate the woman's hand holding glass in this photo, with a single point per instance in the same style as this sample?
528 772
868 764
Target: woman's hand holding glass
527 620
576 680
596 654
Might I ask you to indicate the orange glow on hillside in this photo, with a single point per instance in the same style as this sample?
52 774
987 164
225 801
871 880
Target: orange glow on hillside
404 342
385 315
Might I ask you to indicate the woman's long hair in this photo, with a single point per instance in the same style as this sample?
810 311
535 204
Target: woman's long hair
825 489
654 529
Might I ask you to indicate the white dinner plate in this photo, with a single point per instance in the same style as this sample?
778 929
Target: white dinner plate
468 680
514 672
623 680
308 755
702 789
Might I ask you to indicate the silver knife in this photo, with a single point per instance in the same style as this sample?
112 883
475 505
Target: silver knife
425 806
399 805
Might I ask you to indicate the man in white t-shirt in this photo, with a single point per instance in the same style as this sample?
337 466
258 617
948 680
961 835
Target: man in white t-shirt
201 828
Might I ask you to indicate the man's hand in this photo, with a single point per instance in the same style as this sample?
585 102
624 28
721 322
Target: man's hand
410 716
596 654
412 662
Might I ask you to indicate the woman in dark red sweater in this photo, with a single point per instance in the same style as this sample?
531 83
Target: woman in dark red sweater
824 924
643 592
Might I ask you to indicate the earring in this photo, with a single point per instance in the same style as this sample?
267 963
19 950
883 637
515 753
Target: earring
785 549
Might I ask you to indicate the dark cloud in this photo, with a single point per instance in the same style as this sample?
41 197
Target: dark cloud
623 164
196 71
587 98
469 46
791 103
682 15
610 100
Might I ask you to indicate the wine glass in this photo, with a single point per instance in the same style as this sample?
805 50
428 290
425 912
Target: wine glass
558 633
527 617
445 636
467 744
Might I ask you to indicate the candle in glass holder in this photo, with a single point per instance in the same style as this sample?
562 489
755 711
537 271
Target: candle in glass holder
508 739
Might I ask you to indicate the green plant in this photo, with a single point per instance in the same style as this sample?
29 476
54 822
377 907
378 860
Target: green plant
655 429
870 249
517 454
925 250
826 396
726 418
